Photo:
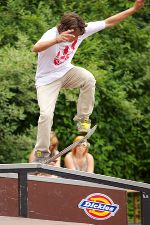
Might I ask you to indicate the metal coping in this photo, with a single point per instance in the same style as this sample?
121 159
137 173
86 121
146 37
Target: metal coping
75 175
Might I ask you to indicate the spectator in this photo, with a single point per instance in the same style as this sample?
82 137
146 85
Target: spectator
53 148
79 158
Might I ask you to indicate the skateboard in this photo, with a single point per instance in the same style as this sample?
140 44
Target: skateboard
67 149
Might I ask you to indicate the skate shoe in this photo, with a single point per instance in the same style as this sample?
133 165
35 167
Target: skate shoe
41 156
84 125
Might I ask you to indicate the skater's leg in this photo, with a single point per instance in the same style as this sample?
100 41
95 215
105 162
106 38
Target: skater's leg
47 96
81 78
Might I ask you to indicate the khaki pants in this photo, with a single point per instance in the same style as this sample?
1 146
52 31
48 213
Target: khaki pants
47 95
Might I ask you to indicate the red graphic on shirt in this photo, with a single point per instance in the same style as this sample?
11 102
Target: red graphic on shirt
64 54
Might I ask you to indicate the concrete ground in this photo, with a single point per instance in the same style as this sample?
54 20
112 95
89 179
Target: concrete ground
26 221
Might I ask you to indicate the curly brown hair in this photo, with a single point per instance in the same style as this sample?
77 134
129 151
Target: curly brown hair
71 20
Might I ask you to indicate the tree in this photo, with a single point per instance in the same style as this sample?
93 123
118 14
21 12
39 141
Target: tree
119 60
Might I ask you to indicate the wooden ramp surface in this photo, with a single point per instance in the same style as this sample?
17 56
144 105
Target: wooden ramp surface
26 221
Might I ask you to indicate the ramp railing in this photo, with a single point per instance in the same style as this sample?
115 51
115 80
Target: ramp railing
23 169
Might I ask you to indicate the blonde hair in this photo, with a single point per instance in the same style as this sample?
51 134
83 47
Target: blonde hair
54 139
78 138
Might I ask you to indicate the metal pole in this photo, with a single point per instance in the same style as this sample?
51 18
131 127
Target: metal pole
22 194
136 207
145 207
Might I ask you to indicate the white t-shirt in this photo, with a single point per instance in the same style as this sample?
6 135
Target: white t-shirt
55 61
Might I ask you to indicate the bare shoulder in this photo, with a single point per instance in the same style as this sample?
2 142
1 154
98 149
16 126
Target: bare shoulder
90 157
68 155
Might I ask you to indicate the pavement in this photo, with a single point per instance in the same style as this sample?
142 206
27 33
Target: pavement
4 220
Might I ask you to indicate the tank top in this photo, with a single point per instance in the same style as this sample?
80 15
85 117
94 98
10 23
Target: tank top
84 166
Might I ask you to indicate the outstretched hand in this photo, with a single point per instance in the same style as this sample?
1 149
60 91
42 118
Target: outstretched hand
65 36
138 5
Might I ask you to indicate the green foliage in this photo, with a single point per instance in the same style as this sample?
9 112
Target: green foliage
118 58
17 100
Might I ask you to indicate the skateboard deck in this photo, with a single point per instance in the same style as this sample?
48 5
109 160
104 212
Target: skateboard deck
67 149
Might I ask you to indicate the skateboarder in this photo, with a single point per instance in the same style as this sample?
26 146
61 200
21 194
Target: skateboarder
56 49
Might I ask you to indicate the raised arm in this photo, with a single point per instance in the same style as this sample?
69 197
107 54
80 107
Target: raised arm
113 20
43 45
